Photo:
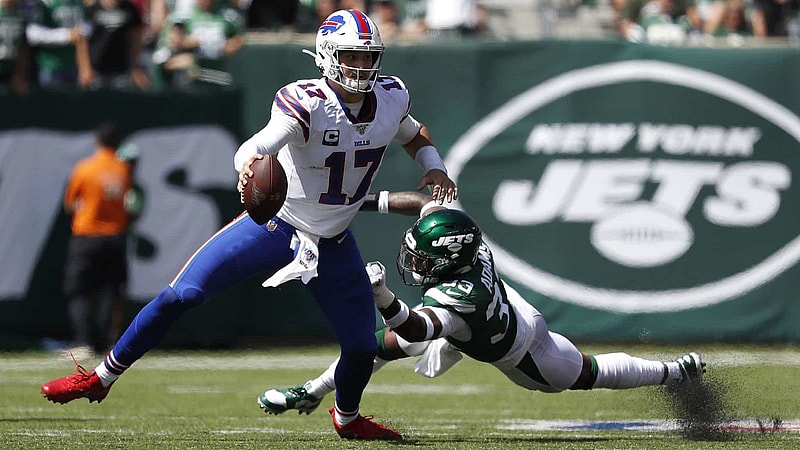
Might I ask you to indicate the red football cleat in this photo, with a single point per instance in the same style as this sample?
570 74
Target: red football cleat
81 384
364 428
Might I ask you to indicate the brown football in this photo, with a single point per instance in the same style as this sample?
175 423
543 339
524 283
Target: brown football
265 193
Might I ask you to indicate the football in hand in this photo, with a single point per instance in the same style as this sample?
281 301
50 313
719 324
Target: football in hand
265 193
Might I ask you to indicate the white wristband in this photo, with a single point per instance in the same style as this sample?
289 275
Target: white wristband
383 202
428 159
428 326
399 318
427 206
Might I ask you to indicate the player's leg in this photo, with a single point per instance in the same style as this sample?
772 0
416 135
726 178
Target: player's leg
344 294
236 252
623 371
112 275
305 398
239 250
555 364
78 284
119 291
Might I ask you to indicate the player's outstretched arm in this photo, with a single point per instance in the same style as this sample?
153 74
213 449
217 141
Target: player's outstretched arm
412 325
406 203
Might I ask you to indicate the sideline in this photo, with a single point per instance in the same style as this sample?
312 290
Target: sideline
321 359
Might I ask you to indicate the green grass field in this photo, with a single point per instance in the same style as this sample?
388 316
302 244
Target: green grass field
207 400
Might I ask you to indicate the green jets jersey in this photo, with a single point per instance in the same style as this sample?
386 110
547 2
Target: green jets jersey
212 29
12 37
57 14
479 298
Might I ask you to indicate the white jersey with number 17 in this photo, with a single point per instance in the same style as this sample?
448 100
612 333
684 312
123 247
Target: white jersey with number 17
334 155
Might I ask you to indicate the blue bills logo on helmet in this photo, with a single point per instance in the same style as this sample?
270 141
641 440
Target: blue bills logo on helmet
331 25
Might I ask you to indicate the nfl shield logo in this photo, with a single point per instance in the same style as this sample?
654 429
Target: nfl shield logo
360 127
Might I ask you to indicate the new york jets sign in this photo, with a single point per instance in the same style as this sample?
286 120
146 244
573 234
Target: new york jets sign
637 186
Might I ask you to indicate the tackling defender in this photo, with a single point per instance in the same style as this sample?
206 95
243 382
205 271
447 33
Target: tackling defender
468 309
330 135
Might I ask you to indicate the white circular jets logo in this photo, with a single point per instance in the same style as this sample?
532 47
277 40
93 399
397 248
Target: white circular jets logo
647 193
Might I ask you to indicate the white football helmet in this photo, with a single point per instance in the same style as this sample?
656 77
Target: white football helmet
349 29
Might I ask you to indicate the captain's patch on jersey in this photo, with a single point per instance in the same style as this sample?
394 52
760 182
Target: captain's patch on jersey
331 138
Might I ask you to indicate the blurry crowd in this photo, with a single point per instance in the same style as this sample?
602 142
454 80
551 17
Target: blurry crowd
157 44
396 19
692 21
114 44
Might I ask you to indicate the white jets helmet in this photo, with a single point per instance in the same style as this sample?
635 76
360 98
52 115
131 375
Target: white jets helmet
349 29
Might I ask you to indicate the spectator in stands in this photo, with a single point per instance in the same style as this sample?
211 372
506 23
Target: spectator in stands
728 18
454 18
273 15
413 19
774 18
386 15
173 63
97 268
659 21
14 51
57 30
115 43
361 5
154 17
153 14
311 14
194 47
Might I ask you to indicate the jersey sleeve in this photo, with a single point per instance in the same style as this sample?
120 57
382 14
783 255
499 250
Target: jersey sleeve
234 22
279 131
396 89
449 303
453 297
452 323
409 128
291 102
42 29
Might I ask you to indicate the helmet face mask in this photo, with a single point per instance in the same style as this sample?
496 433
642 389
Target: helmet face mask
349 30
438 247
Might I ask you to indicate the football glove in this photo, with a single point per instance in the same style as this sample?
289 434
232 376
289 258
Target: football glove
377 277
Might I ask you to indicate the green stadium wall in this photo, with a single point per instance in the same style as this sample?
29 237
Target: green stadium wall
631 192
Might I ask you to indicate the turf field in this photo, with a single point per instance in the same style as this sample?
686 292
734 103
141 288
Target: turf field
207 400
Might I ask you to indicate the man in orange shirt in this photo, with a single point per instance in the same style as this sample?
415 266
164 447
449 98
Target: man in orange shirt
97 270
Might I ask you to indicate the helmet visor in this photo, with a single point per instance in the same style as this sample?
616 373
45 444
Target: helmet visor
414 268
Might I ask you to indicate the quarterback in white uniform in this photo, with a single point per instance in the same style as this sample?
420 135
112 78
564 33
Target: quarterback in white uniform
331 155
330 135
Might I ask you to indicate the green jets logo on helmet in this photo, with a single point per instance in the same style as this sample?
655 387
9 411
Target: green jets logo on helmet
438 246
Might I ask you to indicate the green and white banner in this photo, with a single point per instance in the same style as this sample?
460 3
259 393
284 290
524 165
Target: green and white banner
629 192
642 199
